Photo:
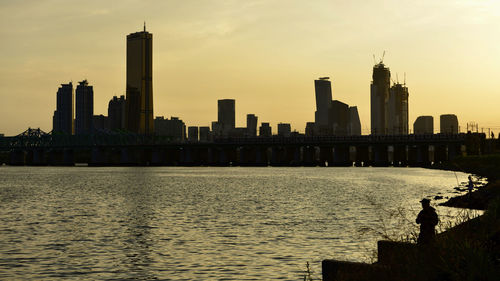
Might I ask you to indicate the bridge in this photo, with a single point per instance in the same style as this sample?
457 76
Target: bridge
37 148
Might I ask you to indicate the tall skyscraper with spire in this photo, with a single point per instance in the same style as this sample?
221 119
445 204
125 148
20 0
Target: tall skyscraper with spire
139 91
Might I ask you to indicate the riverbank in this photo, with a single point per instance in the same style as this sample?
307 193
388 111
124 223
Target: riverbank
467 251
487 166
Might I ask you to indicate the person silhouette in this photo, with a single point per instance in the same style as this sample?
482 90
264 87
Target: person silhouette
470 185
428 219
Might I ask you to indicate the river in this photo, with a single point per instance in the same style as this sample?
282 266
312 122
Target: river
202 223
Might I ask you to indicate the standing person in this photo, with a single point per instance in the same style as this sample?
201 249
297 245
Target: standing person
470 185
428 219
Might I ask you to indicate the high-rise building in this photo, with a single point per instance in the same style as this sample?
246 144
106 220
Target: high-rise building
448 124
139 101
379 95
323 90
226 116
100 122
193 133
116 113
204 133
265 130
251 125
284 129
354 122
84 108
309 132
423 125
397 120
63 122
173 128
338 118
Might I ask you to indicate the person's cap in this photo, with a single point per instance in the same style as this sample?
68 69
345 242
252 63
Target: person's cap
425 200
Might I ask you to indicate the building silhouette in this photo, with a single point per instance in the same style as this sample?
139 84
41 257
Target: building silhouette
423 125
265 130
448 124
225 117
309 131
397 104
323 91
338 118
251 125
204 133
193 133
173 128
62 121
284 130
379 96
139 90
100 122
116 113
84 108
354 122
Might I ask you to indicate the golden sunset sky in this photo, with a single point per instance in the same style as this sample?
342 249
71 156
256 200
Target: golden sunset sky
265 54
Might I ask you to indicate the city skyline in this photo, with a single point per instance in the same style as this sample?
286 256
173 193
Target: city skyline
274 82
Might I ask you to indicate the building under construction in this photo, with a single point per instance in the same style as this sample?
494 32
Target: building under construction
397 121
379 96
389 105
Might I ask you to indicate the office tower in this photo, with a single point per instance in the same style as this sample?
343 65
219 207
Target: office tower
84 95
173 128
251 125
448 124
216 129
265 130
423 125
225 114
100 122
309 132
379 95
193 133
116 113
323 90
139 101
338 118
354 122
62 122
204 133
397 120
284 129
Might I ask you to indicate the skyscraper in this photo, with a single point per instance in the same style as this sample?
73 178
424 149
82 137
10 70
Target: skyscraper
448 124
225 116
354 122
84 108
323 90
62 122
397 120
116 113
379 95
423 125
251 125
139 101
338 118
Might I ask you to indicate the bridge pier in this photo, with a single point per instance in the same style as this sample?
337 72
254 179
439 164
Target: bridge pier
17 158
36 157
98 157
400 156
341 156
326 156
380 155
309 156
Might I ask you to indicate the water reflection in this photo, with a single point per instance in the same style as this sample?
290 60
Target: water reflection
197 223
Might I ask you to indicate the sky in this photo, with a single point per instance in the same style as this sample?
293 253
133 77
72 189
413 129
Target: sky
265 54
